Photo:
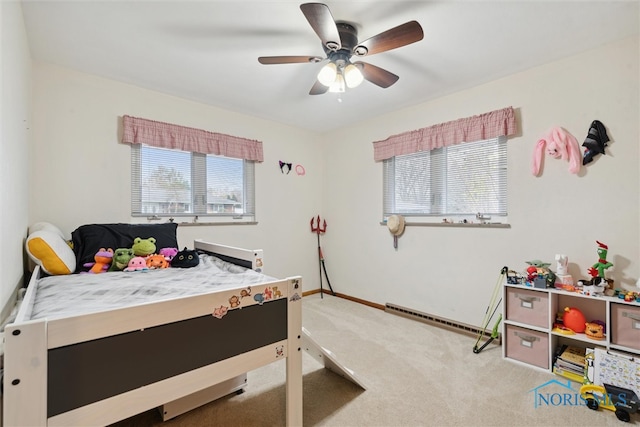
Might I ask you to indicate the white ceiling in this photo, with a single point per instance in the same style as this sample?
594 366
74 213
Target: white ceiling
207 51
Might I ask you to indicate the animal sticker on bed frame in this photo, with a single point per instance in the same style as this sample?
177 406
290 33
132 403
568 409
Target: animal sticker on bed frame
220 312
234 301
269 293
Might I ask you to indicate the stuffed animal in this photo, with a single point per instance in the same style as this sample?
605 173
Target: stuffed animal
559 144
137 263
595 331
156 261
121 258
186 258
144 247
102 262
168 253
597 269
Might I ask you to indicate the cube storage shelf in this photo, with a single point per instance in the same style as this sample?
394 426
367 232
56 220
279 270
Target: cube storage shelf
530 313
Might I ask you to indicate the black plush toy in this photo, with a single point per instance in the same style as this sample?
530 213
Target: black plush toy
185 258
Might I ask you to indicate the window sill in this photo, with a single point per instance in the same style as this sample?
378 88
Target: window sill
454 224
196 224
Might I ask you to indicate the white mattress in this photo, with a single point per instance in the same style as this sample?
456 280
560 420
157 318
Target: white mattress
68 295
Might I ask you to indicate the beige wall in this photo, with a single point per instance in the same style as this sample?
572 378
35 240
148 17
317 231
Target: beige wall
451 272
81 173
15 134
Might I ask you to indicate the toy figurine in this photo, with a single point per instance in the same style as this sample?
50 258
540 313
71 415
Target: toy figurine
563 279
602 263
561 264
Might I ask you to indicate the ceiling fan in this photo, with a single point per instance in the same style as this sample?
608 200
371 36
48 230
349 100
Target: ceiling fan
340 44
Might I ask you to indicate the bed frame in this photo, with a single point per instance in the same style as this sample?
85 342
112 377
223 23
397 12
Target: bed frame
99 368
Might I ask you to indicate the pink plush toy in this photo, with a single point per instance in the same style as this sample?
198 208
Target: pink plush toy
559 144
168 253
137 263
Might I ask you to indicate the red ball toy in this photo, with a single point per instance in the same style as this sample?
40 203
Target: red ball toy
574 320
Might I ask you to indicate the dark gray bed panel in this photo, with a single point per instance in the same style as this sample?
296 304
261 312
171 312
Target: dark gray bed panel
88 372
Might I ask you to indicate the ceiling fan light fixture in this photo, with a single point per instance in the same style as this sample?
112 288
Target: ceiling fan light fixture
352 76
332 46
327 74
360 51
338 85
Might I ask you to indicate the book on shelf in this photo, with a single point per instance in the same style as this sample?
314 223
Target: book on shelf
579 378
569 366
570 362
572 354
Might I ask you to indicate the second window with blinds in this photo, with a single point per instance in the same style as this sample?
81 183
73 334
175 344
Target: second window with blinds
458 182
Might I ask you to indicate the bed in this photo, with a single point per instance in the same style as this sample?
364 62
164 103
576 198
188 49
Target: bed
74 364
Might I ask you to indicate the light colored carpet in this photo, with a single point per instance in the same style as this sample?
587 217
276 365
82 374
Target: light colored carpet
416 375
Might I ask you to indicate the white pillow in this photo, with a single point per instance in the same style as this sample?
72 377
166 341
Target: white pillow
49 250
39 226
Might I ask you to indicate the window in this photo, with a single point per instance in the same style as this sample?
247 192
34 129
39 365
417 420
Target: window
171 183
456 180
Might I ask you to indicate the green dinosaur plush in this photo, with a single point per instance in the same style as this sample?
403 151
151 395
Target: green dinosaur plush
144 247
121 258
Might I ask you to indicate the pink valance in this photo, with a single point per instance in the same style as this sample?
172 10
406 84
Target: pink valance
476 128
166 135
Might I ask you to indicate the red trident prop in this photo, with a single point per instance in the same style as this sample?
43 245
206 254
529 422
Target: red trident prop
319 230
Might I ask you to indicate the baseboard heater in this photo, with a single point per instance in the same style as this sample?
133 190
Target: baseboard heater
440 321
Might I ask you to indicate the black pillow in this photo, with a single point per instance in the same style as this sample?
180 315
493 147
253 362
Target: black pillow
88 239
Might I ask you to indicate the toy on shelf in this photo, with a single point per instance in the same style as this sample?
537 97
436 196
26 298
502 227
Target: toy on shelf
594 287
563 279
561 329
597 270
628 296
514 278
539 275
594 330
574 320
599 285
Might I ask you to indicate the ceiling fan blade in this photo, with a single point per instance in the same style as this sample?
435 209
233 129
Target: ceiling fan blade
402 35
322 22
318 89
376 75
268 60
